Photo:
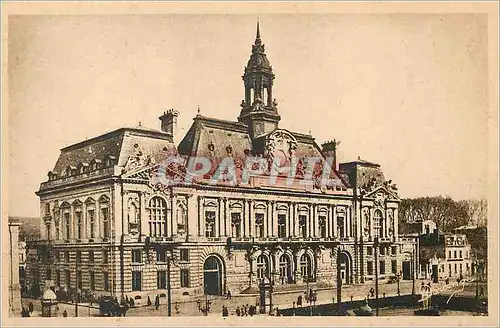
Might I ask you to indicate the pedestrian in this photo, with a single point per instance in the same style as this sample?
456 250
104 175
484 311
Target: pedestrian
311 294
149 301
299 301
65 313
176 308
238 311
225 311
157 302
247 307
30 307
228 294
251 312
372 292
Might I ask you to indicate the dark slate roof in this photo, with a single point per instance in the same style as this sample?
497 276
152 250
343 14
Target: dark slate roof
363 173
116 145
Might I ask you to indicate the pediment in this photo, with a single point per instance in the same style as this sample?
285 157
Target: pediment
381 192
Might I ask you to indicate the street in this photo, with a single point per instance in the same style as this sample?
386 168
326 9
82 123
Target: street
280 300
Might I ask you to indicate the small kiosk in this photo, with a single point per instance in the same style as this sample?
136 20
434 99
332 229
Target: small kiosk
49 303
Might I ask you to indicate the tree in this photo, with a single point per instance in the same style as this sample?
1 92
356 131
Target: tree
444 211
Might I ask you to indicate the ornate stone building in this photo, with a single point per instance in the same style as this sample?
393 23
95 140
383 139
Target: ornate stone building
110 227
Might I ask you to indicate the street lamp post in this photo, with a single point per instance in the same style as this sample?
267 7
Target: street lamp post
376 275
398 277
413 272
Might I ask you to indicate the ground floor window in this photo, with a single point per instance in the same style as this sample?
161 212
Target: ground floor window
184 278
67 278
136 280
92 280
382 267
369 267
394 266
105 279
161 279
79 279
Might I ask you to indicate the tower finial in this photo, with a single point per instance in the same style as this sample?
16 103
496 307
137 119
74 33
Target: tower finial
258 30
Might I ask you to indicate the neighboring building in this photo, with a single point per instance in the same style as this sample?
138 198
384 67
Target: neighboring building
478 239
443 255
108 227
13 251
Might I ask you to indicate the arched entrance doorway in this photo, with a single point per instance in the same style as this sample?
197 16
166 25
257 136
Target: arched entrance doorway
212 276
286 273
345 268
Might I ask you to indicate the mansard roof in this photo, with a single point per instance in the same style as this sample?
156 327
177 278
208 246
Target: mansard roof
116 147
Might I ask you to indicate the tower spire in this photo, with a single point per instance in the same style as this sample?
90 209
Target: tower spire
258 30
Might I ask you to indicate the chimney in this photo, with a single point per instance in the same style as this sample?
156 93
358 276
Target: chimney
169 121
329 150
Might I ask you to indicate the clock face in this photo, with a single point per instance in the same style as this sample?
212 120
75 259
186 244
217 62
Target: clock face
280 158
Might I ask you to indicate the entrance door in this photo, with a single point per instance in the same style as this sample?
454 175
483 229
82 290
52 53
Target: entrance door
212 276
435 278
406 270
344 269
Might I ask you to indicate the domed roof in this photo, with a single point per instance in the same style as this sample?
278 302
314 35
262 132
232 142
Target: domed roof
258 60
49 295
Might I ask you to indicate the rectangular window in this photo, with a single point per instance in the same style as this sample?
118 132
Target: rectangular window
79 279
58 232
67 225
455 268
161 256
454 254
58 256
67 278
369 250
394 266
460 268
48 274
341 225
78 256
322 226
449 269
105 256
161 279
136 280
91 256
303 225
281 225
236 225
184 278
259 225
58 278
105 222
66 257
92 280
394 250
79 225
449 254
460 254
184 255
369 267
47 209
137 256
91 220
382 267
382 250
210 224
105 279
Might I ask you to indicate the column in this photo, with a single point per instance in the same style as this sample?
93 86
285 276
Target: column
348 221
311 225
295 220
245 219
334 212
201 217
289 220
269 219
227 218
191 217
329 222
251 219
172 230
316 220
396 220
274 216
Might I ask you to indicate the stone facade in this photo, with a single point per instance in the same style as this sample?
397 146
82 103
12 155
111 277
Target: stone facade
109 228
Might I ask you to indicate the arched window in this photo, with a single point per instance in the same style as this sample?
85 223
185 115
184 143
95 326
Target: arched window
262 267
306 267
285 269
377 224
157 217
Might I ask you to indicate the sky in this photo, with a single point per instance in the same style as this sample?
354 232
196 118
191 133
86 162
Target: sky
407 91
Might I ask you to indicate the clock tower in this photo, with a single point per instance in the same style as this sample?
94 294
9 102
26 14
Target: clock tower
259 108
